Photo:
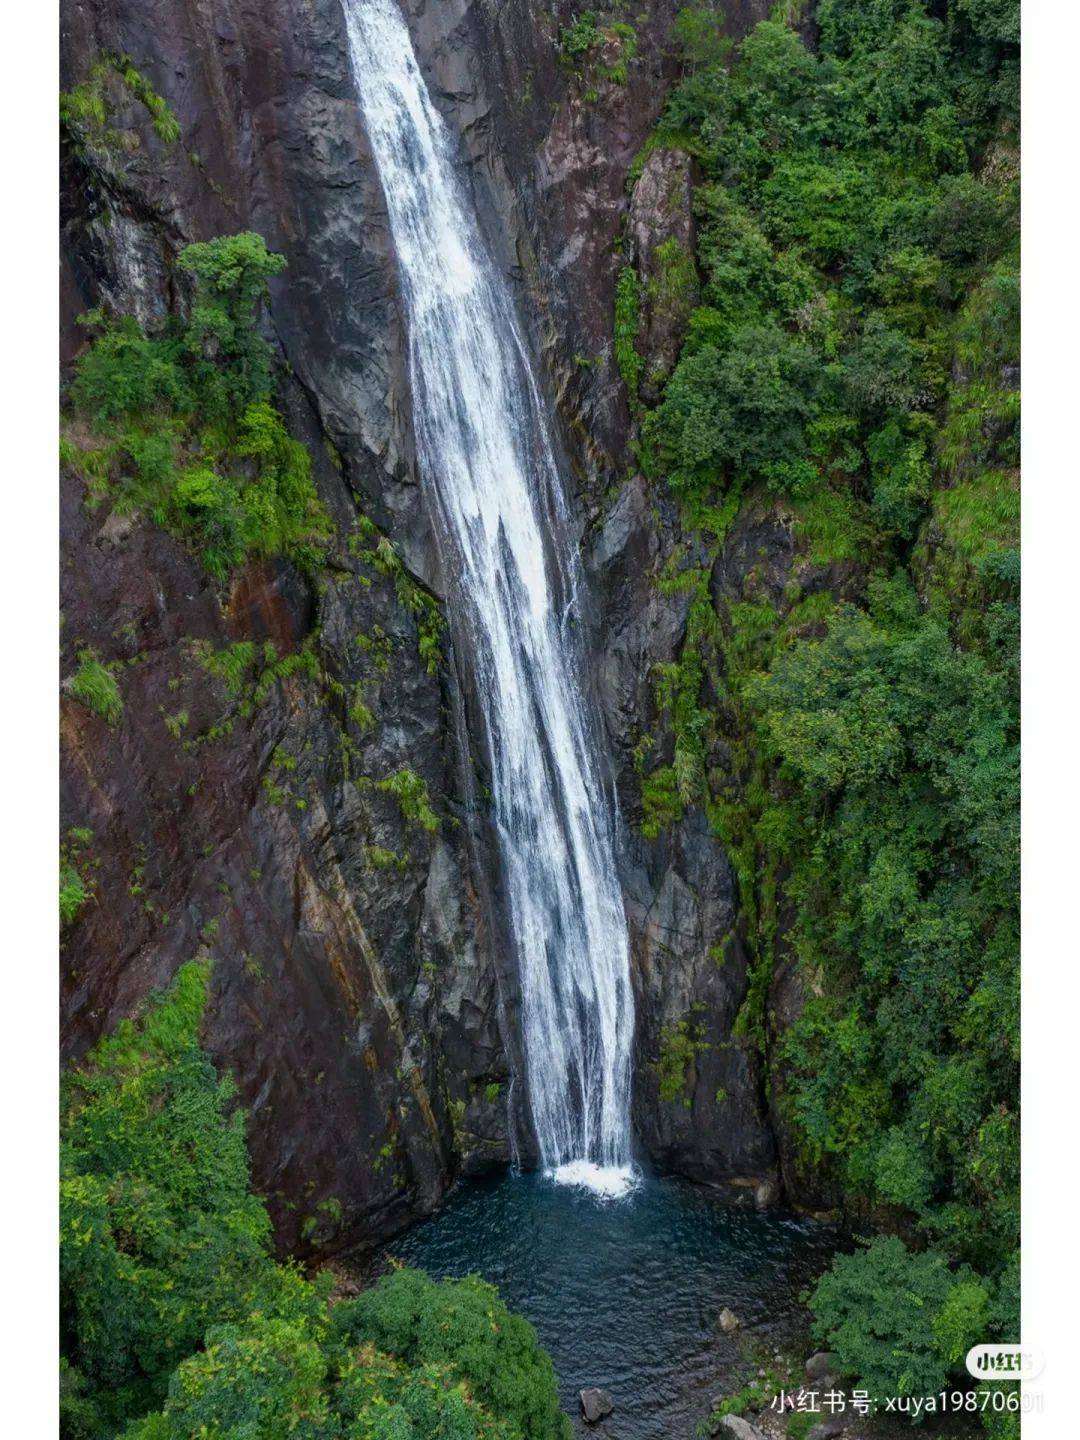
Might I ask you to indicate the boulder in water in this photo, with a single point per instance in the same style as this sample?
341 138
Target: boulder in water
729 1321
766 1194
595 1404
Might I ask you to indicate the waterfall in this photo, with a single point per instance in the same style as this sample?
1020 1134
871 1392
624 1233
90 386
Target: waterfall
490 474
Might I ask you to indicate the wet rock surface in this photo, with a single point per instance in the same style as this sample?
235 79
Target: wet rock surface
660 235
255 830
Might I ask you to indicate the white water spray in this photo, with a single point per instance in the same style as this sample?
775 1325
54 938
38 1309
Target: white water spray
486 459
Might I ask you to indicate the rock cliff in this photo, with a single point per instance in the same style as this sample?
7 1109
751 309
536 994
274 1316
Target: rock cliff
358 994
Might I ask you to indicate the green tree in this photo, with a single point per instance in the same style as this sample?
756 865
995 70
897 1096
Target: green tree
261 1379
171 1303
734 411
160 1236
898 1321
464 1326
231 274
700 32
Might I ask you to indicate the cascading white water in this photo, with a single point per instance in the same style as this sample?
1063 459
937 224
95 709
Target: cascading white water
487 461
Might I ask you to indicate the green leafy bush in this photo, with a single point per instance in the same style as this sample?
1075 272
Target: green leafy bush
411 792
899 1322
661 803
732 412
580 36
86 110
461 1325
191 434
598 51
680 1044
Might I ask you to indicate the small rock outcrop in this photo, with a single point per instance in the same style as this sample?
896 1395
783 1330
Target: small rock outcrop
823 1365
729 1321
595 1404
659 229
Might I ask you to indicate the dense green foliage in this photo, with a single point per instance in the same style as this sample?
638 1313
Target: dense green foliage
172 1305
851 369
906 1069
839 223
899 1321
188 428
160 1237
461 1326
627 319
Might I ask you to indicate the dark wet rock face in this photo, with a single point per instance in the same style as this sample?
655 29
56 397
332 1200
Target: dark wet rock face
699 1099
659 231
361 994
342 934
698 1087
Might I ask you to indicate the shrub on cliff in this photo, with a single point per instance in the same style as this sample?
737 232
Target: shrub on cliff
733 412
230 358
87 110
191 435
94 685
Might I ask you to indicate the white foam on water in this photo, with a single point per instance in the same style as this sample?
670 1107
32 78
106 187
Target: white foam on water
493 486
610 1182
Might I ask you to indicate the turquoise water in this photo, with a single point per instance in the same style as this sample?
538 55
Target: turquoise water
626 1294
